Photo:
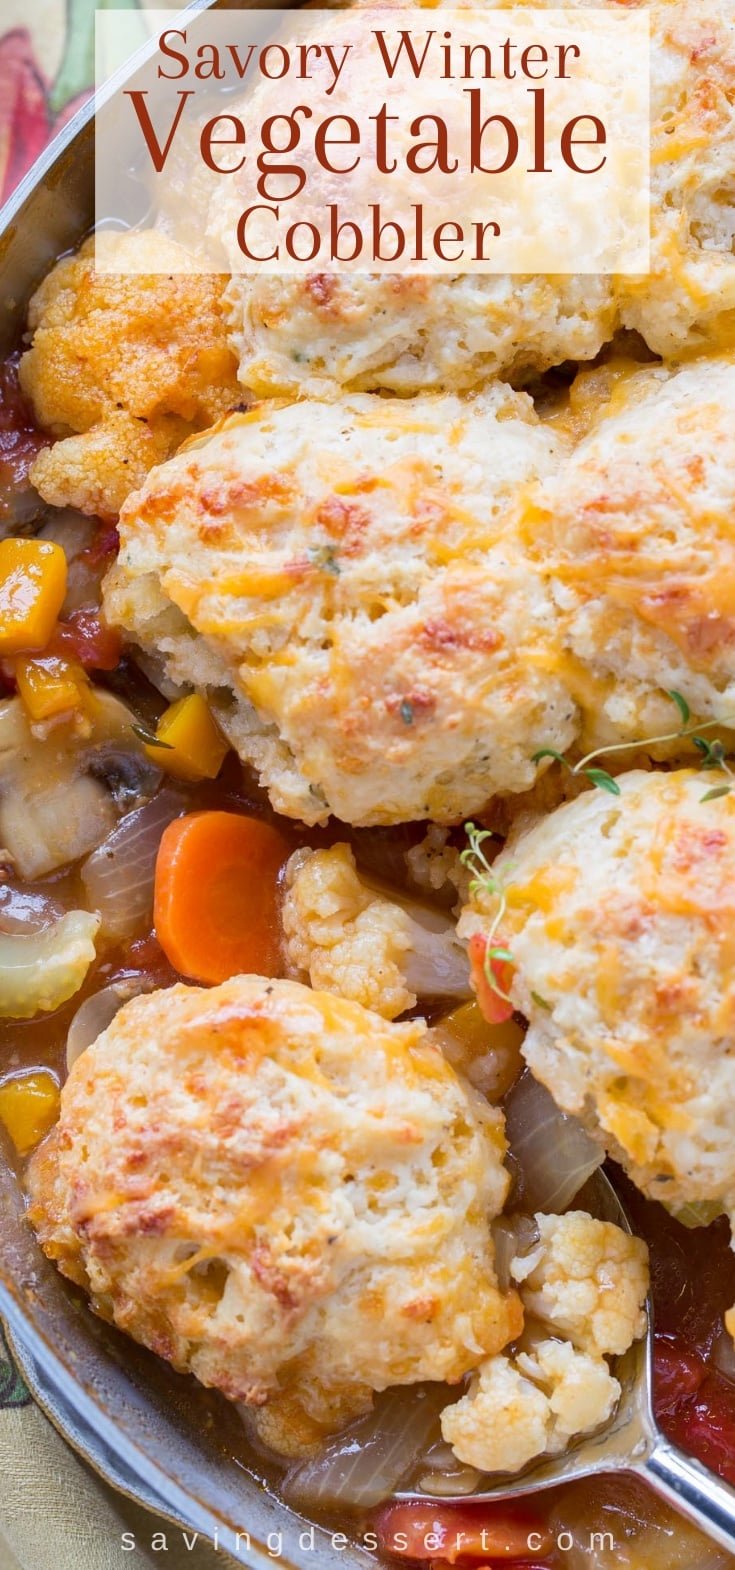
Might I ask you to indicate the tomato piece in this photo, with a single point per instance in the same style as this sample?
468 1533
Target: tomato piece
692 1270
20 439
83 636
695 1404
678 1372
705 1425
492 998
456 1534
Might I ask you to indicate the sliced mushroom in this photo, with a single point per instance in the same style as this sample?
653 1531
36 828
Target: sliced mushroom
61 794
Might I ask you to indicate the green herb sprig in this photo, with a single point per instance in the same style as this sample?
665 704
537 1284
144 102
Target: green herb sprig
713 754
149 739
325 558
486 881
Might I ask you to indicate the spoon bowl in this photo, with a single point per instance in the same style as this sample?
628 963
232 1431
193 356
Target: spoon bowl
631 1441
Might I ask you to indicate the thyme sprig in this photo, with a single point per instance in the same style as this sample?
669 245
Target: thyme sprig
149 738
486 881
713 754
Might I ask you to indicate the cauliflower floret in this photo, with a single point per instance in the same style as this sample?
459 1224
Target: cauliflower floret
582 1391
348 938
343 937
587 1280
96 470
434 866
123 365
502 1421
530 1405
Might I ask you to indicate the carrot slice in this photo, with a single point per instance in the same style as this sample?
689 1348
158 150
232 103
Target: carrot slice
216 906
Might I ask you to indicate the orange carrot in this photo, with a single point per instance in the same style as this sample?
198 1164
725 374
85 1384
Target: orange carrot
216 895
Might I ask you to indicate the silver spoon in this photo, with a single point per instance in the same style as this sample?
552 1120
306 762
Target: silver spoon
631 1442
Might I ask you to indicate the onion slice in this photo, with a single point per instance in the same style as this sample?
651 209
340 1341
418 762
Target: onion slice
446 1485
513 1236
95 1014
118 876
364 1465
552 1153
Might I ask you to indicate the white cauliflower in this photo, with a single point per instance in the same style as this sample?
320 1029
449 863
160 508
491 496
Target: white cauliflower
529 1405
587 1280
435 866
347 937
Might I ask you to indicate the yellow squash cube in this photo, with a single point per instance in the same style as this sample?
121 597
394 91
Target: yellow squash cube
32 589
50 685
191 744
29 1106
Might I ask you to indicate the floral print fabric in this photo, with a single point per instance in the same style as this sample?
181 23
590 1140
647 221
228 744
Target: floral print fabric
46 73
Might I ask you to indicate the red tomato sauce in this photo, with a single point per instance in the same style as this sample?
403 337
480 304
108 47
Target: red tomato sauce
20 438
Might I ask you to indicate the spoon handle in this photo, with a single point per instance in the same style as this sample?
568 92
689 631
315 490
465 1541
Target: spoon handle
693 1489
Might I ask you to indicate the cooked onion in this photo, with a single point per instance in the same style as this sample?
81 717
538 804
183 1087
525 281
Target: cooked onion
513 1236
552 1154
94 1015
436 965
153 666
74 533
366 1463
20 506
118 876
445 1485
698 1214
444 1475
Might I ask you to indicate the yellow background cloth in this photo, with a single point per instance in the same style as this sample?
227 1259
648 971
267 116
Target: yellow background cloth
56 1514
